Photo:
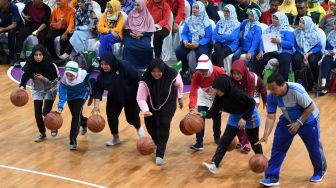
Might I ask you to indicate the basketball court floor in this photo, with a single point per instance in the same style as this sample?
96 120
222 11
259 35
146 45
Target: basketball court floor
24 163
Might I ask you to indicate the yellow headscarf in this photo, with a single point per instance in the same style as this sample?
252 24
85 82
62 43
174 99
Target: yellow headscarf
288 9
115 4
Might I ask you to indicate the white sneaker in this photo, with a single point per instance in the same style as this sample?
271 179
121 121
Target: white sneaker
113 142
141 132
159 161
64 56
210 166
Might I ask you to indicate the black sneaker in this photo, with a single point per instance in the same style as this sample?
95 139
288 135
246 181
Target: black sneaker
216 141
54 133
197 147
41 138
239 145
83 130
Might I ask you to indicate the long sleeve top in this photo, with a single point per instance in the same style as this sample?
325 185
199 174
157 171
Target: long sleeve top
315 49
104 28
161 15
287 41
143 94
251 42
177 7
232 40
187 35
63 18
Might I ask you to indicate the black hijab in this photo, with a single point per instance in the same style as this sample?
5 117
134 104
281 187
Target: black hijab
159 89
45 68
225 84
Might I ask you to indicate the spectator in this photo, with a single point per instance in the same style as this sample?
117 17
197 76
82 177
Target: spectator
177 7
264 5
327 22
266 17
211 10
315 11
242 8
288 7
127 5
301 7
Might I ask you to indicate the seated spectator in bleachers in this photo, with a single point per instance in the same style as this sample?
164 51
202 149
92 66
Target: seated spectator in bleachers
325 5
226 35
301 6
266 17
242 8
10 22
211 9
308 48
285 42
315 11
110 27
127 5
327 22
36 15
178 9
328 62
138 31
160 12
251 37
288 7
61 24
264 5
196 35
85 27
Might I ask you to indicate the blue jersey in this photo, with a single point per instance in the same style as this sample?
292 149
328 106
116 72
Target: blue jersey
293 103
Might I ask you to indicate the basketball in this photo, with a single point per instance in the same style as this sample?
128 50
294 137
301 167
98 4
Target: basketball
96 123
233 144
183 130
258 163
53 120
192 123
19 97
145 146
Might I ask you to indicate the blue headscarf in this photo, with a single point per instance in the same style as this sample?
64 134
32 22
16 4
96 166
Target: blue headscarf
256 15
197 24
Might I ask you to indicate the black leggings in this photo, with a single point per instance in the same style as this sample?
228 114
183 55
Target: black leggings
228 136
113 110
76 107
221 52
313 60
159 36
41 111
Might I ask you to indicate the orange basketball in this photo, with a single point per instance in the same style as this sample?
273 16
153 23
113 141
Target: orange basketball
233 144
19 97
193 123
96 123
182 128
145 146
53 120
258 163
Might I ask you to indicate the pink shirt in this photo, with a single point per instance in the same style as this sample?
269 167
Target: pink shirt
142 94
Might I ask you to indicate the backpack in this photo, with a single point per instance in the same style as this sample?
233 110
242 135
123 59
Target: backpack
305 77
82 61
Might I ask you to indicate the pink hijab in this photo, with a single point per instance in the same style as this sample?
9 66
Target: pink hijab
142 21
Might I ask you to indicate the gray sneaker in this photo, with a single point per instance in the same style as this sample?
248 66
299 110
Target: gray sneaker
41 138
159 161
114 141
210 166
83 130
73 146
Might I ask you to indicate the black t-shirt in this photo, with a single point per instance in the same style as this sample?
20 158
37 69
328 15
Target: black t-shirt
242 11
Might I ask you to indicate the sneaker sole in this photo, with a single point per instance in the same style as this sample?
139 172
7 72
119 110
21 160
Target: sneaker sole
270 184
196 149
108 145
206 167
38 141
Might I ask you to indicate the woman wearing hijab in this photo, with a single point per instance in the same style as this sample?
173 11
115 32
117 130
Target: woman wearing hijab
253 86
74 89
315 11
196 35
138 31
120 79
328 62
226 35
110 27
308 48
264 5
243 115
284 39
44 79
160 12
157 93
61 24
288 7
127 5
251 37
85 22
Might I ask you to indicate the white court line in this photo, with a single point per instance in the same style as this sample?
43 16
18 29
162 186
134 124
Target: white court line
51 175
